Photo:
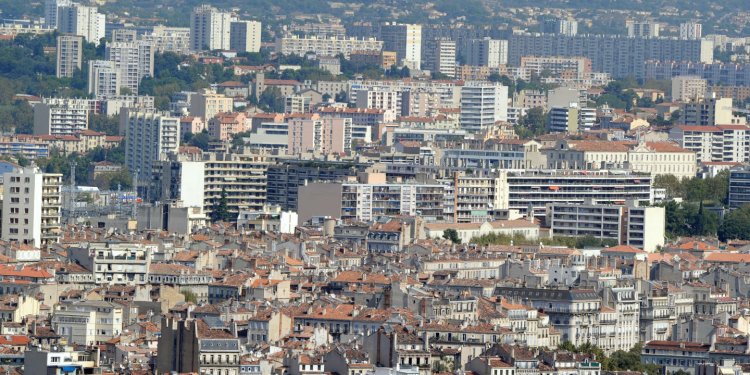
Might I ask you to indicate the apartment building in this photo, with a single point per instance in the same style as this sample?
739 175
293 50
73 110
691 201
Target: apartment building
568 67
169 39
87 322
476 198
482 105
60 359
619 56
333 46
32 203
571 119
245 36
270 136
115 262
562 26
191 346
180 177
207 104
366 201
224 125
383 98
62 116
487 52
687 88
210 29
708 111
135 60
324 135
641 227
104 79
85 21
148 136
69 55
739 187
50 12
721 143
371 117
654 158
241 176
440 56
716 74
642 29
691 30
405 40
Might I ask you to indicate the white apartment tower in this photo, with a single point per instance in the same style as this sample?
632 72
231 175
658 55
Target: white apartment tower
445 58
209 29
134 60
686 88
482 105
104 79
691 30
486 52
31 207
244 36
642 29
81 20
69 55
148 135
61 116
50 12
406 41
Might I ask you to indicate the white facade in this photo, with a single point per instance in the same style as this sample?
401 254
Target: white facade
722 143
685 88
244 36
380 98
31 207
691 30
87 322
571 119
69 54
445 58
148 135
104 79
294 45
135 60
406 41
486 52
61 116
81 20
482 105
646 226
209 29
169 39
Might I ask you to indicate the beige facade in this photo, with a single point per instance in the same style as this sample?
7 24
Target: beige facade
208 104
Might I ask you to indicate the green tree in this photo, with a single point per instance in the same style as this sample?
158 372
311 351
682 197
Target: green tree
189 296
736 225
220 210
103 123
200 140
271 100
451 234
533 124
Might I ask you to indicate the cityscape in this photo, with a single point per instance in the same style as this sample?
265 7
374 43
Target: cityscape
387 187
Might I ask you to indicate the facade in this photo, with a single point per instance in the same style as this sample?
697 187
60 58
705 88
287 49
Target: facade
687 88
721 143
441 57
286 177
207 104
190 346
708 111
32 203
405 40
50 12
115 262
148 136
69 55
383 98
641 227
210 29
642 29
169 39
325 135
476 198
61 116
691 30
104 79
134 60
241 176
88 322
561 26
244 36
224 125
716 74
85 21
482 105
571 119
739 187
294 45
619 56
568 67
485 52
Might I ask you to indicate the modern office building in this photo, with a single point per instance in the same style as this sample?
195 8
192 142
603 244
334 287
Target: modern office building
640 227
405 40
485 52
324 136
104 79
134 60
31 207
739 187
482 105
619 56
688 88
61 116
69 55
245 36
85 21
210 29
333 46
148 136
